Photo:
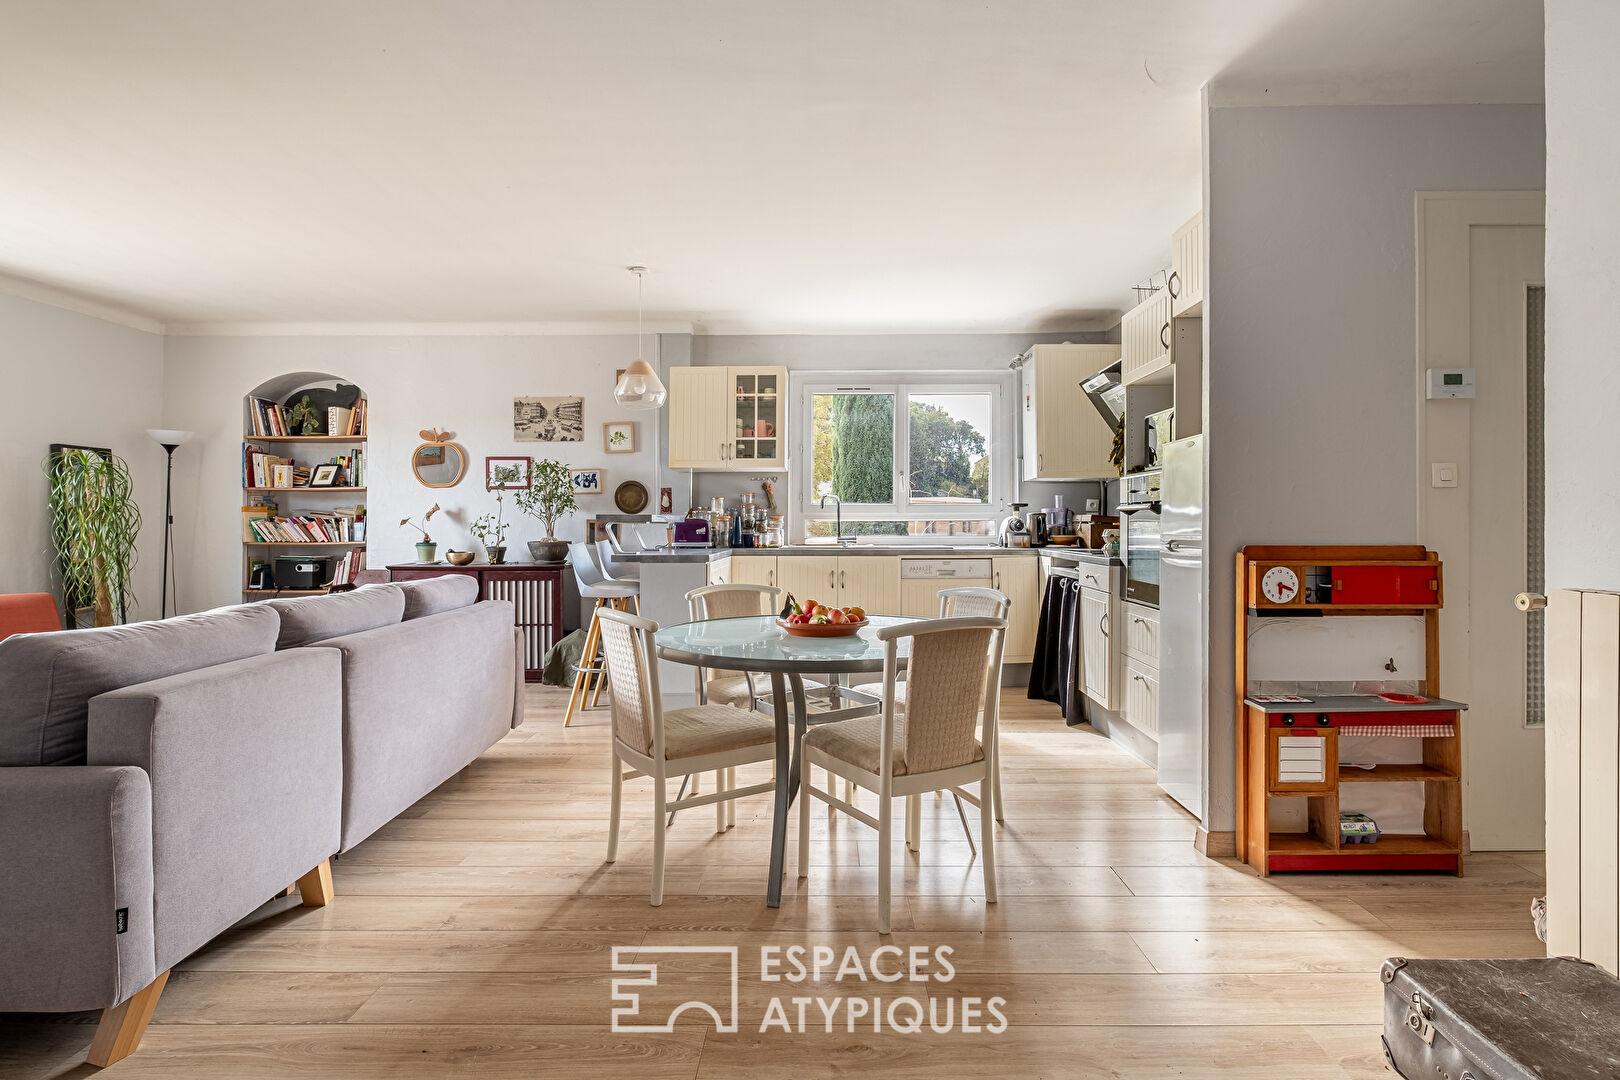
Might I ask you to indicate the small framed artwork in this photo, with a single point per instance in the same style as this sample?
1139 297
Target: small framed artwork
586 481
324 476
281 476
507 473
619 437
548 419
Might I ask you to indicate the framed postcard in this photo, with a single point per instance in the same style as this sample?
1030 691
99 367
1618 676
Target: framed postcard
619 437
548 419
586 481
324 476
511 473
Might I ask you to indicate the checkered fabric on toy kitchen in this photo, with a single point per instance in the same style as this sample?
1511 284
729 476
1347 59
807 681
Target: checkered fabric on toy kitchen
1402 731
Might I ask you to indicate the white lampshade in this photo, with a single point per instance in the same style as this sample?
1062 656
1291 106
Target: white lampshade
640 387
169 436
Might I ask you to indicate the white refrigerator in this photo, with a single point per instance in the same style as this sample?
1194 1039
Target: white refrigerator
1183 629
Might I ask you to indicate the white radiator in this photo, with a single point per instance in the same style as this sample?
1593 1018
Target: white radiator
1583 776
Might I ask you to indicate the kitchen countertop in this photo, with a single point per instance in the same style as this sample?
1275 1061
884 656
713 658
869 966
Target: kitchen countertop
1357 703
927 551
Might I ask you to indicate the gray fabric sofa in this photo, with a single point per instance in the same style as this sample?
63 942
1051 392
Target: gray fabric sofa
159 781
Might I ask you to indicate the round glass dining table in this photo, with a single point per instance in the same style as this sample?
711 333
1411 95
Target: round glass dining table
755 644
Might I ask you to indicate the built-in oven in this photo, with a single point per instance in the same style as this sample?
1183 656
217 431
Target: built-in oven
1139 518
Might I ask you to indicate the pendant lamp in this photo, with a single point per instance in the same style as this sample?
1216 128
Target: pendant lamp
639 387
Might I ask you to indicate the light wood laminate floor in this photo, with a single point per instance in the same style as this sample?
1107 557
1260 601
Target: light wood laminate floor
474 936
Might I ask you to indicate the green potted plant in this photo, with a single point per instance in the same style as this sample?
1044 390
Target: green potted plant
426 550
94 522
549 496
491 529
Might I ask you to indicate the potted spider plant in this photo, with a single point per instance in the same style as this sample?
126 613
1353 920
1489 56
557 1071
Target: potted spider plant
549 497
426 550
491 528
94 523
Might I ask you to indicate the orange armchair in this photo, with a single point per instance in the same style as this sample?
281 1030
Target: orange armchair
28 613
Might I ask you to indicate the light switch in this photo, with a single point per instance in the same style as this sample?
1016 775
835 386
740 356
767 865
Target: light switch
1443 474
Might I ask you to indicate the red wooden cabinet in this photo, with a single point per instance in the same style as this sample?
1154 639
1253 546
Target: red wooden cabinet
1386 586
536 594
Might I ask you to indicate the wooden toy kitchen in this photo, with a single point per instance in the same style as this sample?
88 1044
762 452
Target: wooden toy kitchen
1344 761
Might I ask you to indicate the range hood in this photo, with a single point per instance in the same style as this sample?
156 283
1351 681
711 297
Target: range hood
1107 393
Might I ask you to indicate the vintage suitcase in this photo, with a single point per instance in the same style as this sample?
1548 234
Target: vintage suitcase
1539 1019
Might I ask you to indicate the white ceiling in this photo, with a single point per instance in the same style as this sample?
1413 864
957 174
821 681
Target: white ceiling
781 165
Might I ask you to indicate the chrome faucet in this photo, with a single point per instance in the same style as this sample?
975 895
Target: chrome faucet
838 518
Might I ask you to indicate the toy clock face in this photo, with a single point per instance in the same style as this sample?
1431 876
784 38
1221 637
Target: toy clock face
1280 585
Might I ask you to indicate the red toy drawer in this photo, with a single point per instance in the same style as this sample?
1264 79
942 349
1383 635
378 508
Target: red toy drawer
1308 717
1378 586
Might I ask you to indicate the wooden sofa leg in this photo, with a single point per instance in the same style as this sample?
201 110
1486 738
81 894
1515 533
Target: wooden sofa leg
122 1026
315 887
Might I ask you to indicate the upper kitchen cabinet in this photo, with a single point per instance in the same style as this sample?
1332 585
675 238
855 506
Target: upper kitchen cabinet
1186 285
1146 340
727 418
1065 438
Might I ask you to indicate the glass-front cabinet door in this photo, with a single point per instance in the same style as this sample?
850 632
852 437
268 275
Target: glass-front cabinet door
757 407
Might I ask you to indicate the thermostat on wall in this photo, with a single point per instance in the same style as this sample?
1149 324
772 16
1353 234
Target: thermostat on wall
1450 383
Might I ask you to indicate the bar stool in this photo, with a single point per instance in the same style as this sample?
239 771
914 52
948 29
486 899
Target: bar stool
607 557
614 594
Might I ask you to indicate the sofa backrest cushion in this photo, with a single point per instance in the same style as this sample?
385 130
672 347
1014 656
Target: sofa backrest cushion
430 596
308 619
47 680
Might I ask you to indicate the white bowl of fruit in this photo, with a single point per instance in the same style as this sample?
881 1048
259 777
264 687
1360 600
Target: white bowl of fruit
818 620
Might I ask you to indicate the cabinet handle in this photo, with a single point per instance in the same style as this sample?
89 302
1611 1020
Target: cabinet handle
1040 461
998 580
1174 285
770 577
1104 624
843 579
832 579
1138 620
1139 678
1164 335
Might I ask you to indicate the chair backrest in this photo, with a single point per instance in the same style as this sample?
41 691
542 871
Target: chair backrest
638 716
732 601
586 573
948 682
28 613
973 600
607 559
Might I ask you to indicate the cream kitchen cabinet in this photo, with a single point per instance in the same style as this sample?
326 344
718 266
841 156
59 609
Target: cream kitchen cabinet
1145 341
870 581
753 569
727 418
719 571
1186 284
1141 705
1098 653
1064 437
1142 633
1018 576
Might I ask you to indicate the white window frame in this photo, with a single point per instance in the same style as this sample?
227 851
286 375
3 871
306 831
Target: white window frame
904 386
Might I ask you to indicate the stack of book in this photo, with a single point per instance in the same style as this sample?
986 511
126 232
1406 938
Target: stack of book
348 567
340 421
336 527
270 420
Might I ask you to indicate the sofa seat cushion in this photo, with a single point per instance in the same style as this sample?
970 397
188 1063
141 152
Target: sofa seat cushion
308 619
430 596
47 680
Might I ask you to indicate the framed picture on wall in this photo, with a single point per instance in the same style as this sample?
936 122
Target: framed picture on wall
548 419
511 473
586 481
619 437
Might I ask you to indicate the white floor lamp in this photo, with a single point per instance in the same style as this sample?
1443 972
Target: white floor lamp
170 440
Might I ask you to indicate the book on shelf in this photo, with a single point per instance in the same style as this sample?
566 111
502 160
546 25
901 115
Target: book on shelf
251 514
263 470
335 527
348 567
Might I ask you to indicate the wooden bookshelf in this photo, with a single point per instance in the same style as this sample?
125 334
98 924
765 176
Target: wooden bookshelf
281 389
1292 749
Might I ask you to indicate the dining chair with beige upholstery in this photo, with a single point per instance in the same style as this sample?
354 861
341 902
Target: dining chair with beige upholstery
663 745
964 602
930 746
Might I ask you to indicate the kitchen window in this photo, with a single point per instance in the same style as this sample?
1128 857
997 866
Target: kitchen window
907 458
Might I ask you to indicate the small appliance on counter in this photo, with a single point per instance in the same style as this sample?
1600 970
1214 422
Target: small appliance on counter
1038 532
1057 517
1092 527
1013 532
692 533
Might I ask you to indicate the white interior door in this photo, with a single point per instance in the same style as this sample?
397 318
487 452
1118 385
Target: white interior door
1480 277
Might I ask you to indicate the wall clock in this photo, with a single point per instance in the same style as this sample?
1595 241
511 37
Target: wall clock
1280 585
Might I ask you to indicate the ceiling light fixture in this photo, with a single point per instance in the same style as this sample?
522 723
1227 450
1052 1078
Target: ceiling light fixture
639 387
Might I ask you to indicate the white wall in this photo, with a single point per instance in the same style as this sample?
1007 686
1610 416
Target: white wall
1310 341
1583 294
461 384
72 378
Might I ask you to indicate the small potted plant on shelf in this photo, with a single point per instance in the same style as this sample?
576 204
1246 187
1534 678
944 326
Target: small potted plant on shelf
491 529
549 497
426 550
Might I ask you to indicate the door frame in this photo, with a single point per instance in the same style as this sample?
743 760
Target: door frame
1444 432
